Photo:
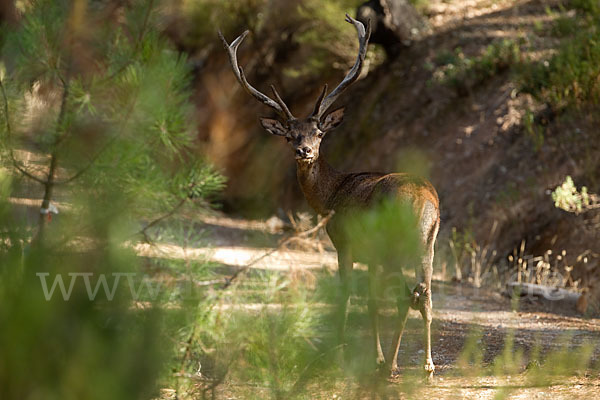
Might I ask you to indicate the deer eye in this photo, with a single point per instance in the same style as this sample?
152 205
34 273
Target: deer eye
320 134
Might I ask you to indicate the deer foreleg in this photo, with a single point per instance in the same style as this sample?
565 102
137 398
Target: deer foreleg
403 301
373 312
344 269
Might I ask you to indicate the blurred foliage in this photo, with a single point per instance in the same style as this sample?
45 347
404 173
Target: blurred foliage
317 27
272 334
591 7
76 348
207 16
463 73
568 198
370 231
108 99
470 360
327 38
537 370
422 6
533 130
102 100
274 345
255 15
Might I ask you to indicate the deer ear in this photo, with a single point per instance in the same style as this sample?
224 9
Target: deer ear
332 120
273 126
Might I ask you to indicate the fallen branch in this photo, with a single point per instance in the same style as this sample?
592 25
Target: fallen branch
210 282
552 297
283 243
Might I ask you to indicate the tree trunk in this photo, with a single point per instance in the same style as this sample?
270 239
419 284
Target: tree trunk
48 191
395 24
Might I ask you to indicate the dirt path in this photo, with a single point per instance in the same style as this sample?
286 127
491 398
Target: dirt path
463 314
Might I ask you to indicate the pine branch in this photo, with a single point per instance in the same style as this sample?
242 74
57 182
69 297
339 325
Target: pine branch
136 48
161 218
87 167
101 151
61 115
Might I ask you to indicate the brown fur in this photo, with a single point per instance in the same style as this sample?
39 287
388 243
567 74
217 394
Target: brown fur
326 189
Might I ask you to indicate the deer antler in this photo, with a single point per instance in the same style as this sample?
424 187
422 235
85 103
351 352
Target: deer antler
278 104
363 40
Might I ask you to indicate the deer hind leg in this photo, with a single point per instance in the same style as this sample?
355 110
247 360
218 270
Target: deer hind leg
425 306
422 294
403 300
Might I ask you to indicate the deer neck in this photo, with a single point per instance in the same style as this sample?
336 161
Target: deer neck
318 181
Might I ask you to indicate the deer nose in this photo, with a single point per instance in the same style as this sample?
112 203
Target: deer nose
303 151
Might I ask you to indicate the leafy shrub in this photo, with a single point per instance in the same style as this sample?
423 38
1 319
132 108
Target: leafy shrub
570 77
534 131
463 73
591 7
568 198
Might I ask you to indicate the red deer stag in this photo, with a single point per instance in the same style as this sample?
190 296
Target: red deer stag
326 189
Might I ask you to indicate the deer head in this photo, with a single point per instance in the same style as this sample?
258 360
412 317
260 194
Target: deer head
304 134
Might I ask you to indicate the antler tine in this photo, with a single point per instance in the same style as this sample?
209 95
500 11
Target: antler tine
282 104
319 100
278 105
354 73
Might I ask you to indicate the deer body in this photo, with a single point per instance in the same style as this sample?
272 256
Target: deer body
328 190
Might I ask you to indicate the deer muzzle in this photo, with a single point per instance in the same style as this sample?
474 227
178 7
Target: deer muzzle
304 153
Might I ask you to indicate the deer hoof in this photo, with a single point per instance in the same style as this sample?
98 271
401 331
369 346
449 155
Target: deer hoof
394 371
429 369
380 366
340 356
